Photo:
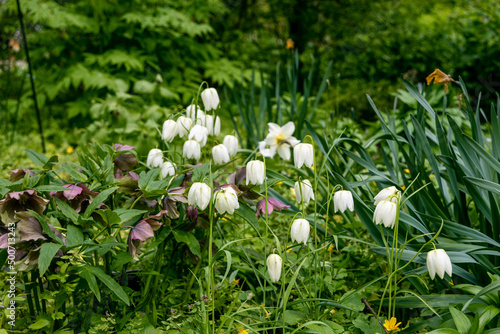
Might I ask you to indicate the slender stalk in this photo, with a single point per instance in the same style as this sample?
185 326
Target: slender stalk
210 285
37 110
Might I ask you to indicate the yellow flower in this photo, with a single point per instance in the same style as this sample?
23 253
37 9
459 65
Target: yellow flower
70 150
289 44
279 183
236 281
242 331
406 170
330 248
392 325
451 282
289 249
403 187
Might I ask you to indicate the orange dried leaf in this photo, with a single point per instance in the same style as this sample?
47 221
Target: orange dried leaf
439 77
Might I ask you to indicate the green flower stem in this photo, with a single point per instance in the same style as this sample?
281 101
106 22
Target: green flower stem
315 226
266 218
29 296
193 277
389 278
158 263
210 283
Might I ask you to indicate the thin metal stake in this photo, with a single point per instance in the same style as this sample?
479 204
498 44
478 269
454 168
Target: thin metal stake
40 129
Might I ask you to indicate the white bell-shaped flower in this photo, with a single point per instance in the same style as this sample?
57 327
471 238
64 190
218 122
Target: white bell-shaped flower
438 262
199 133
385 194
256 172
167 169
304 191
213 126
342 200
274 263
386 213
199 195
191 150
193 112
183 126
169 130
226 200
231 143
220 154
155 158
299 231
303 154
210 99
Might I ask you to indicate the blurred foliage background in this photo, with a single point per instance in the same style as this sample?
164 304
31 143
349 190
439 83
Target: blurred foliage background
111 70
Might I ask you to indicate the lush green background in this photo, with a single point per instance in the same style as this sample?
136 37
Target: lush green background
118 64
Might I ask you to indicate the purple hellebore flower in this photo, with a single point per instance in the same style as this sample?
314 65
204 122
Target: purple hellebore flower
272 204
192 213
122 147
143 231
18 174
128 183
75 195
20 201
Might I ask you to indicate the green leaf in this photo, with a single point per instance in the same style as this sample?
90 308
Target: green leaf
67 210
74 236
109 282
488 314
461 321
128 214
110 217
37 158
40 323
51 187
189 239
47 253
98 200
249 215
444 331
293 317
91 281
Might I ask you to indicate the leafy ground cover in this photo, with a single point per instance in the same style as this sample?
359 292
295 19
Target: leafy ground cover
236 224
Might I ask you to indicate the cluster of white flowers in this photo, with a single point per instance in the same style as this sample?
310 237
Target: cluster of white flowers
196 126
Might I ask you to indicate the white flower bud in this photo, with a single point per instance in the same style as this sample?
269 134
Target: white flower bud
169 130
220 154
226 200
199 195
231 143
438 262
300 230
303 154
155 158
304 191
167 169
342 200
191 150
274 263
385 194
183 126
210 98
199 133
255 172
386 213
